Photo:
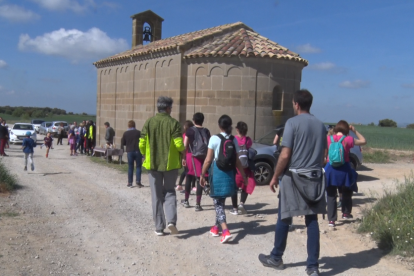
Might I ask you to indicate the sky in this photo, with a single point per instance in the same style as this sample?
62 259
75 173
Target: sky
360 53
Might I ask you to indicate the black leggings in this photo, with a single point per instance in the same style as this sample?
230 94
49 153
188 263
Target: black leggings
183 175
59 141
188 183
332 205
243 198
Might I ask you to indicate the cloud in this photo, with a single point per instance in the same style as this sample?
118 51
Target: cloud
307 49
356 84
73 44
327 66
62 5
15 13
3 64
408 85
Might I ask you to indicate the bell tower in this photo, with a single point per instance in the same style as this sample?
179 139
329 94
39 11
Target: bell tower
142 32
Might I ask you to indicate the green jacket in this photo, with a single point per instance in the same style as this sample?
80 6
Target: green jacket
161 143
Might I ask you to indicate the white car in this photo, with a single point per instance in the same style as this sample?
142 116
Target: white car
18 132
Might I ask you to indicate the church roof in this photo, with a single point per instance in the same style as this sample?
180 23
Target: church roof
228 40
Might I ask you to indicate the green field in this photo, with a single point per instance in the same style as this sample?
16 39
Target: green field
388 137
67 118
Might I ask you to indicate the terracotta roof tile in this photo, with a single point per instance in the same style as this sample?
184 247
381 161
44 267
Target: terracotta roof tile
227 40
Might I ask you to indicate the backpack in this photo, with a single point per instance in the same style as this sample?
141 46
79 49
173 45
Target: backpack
244 155
336 152
200 143
226 160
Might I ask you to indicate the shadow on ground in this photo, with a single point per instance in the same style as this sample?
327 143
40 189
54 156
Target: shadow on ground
366 178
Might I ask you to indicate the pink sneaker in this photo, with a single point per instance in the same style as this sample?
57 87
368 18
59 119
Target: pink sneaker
225 236
214 231
179 188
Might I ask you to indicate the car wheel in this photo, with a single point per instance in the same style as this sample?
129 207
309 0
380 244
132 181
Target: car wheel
263 173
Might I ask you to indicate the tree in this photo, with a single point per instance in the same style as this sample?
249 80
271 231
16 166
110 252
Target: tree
371 124
410 126
18 112
387 123
38 114
25 116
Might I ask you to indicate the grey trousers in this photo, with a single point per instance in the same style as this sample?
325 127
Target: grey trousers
28 156
163 196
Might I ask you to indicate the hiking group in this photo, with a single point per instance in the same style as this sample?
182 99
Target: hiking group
220 165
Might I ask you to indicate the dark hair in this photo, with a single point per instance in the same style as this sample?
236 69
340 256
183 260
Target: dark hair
225 123
342 126
304 98
107 124
198 118
131 123
242 128
188 124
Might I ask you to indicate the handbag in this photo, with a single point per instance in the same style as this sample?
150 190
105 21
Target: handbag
222 183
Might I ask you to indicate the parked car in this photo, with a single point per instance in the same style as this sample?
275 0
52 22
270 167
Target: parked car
44 127
54 128
265 160
18 132
37 123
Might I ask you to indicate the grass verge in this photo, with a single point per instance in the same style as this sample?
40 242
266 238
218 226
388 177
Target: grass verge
376 156
390 221
7 181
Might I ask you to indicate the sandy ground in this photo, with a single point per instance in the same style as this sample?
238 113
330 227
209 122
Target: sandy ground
75 217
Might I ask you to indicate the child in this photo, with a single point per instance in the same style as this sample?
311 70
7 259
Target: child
72 140
27 146
48 143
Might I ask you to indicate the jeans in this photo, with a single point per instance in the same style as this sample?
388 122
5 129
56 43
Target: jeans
134 156
281 234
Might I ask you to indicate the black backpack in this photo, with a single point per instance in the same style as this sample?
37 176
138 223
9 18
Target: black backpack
200 143
226 160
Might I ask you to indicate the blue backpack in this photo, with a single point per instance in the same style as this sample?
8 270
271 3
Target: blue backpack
336 152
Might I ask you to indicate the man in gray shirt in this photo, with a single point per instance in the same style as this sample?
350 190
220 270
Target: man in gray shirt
109 134
303 148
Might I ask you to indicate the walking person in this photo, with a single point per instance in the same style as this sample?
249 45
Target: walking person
77 136
90 138
27 146
72 140
48 140
303 149
81 141
4 138
130 139
183 175
196 144
245 143
161 144
221 163
109 138
341 175
60 133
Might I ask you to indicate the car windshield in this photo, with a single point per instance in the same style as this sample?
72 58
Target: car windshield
58 124
48 124
23 127
267 139
37 122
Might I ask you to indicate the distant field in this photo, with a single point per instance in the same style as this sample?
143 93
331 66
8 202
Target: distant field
388 137
68 118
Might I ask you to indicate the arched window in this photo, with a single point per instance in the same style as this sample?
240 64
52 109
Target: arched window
277 98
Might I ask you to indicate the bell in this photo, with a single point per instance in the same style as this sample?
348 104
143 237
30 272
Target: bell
147 34
146 37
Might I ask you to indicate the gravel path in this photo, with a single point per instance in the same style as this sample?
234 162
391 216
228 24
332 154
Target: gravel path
76 217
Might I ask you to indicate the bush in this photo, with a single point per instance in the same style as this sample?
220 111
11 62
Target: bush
410 126
387 123
371 124
391 222
7 181
377 156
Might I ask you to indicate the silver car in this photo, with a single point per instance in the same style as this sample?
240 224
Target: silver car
266 160
44 127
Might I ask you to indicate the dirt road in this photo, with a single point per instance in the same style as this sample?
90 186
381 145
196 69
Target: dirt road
75 217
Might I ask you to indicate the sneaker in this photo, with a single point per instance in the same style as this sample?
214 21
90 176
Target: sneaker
194 189
185 204
159 232
41 146
225 236
173 229
312 272
198 208
139 185
25 168
129 185
32 167
347 216
179 188
234 211
47 155
214 231
242 211
268 261
331 224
